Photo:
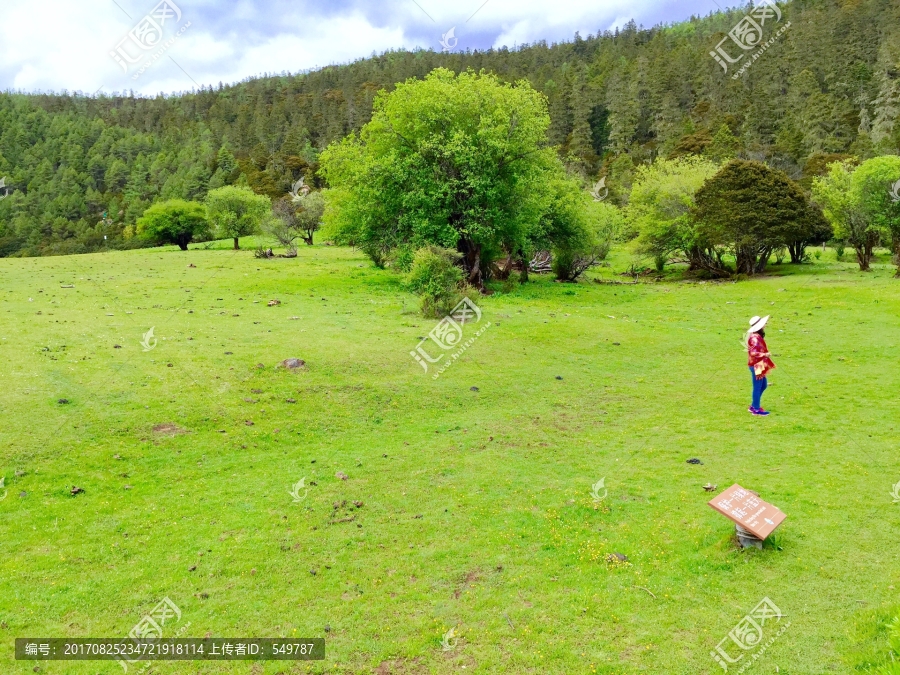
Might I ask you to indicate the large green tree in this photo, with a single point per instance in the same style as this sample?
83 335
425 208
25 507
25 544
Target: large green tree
659 211
236 211
175 221
876 183
454 161
752 209
841 203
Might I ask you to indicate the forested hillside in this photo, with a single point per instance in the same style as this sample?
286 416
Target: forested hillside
79 168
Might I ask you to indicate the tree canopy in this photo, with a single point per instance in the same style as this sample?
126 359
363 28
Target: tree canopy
175 221
659 210
236 211
860 203
752 209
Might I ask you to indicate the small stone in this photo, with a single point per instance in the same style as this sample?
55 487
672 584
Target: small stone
253 571
117 346
248 423
23 494
76 490
327 628
293 364
559 377
290 400
341 475
709 487
204 596
117 456
621 557
274 303
192 568
313 572
616 344
228 353
169 365
19 473
358 505
128 487
694 460
473 388
260 365
63 401
256 391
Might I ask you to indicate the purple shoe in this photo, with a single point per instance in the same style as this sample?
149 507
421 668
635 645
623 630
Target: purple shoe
752 410
759 412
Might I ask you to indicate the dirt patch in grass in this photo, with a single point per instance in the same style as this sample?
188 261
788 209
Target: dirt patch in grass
169 429
466 582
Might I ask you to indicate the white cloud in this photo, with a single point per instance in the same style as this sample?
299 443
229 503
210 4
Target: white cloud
65 44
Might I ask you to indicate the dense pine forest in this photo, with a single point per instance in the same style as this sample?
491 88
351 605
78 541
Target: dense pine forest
79 168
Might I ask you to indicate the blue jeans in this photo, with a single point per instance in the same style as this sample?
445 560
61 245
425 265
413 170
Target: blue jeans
759 386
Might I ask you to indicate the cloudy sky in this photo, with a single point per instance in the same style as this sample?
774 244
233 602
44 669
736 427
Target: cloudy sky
152 46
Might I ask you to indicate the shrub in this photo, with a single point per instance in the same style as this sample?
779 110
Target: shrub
595 226
402 258
436 277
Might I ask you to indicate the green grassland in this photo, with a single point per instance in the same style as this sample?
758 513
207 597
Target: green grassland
476 509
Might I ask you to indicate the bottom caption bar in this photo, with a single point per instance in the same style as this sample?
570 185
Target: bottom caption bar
170 649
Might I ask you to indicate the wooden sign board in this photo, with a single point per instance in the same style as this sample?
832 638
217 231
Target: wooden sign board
748 511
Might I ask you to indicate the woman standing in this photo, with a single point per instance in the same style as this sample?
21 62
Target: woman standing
759 361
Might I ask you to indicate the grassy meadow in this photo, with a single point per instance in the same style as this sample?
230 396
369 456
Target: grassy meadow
475 510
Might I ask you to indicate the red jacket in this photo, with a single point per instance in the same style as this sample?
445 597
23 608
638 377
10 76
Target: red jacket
758 355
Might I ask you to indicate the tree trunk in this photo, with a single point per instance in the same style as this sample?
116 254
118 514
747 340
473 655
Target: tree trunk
863 257
763 260
472 262
236 245
523 275
797 250
744 261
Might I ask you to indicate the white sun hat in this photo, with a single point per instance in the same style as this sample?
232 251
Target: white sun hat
757 323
